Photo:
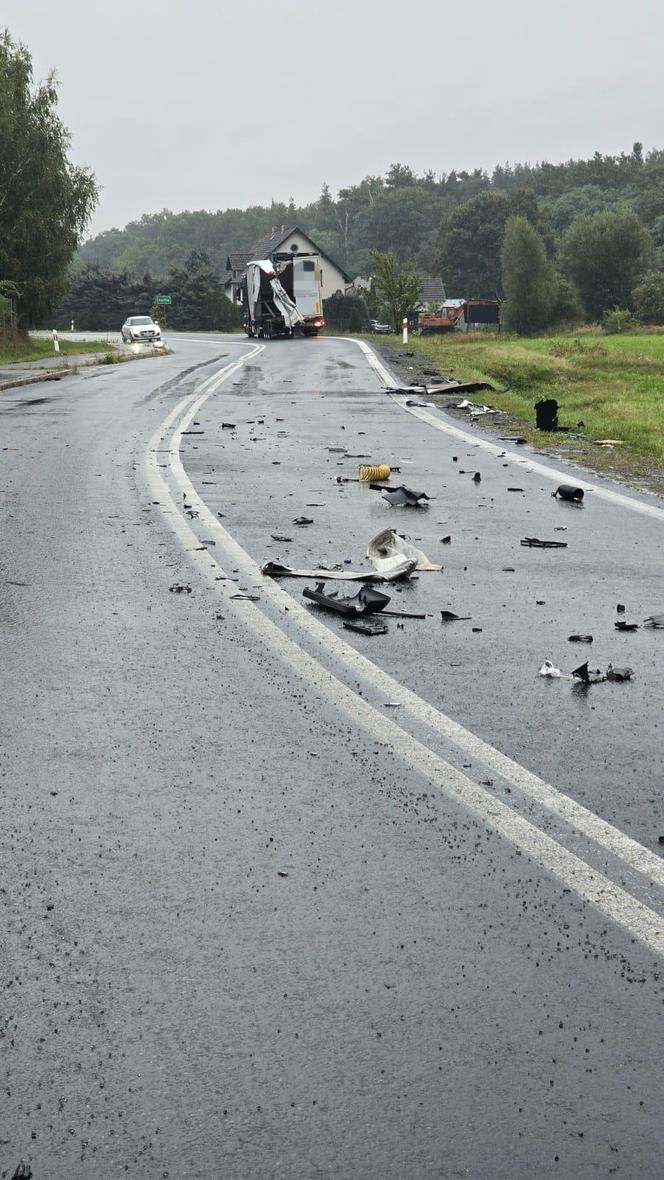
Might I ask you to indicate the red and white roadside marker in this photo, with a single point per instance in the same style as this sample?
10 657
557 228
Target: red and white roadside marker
404 332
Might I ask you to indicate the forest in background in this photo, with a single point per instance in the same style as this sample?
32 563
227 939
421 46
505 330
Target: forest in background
434 221
556 243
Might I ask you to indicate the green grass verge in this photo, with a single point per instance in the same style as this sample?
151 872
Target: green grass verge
613 384
33 348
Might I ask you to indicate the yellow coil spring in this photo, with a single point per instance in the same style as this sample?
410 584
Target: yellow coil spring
373 474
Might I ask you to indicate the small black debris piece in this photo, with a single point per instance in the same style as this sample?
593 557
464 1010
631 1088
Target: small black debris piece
619 673
520 442
446 540
546 414
247 597
185 432
620 608
535 543
582 673
405 614
179 588
455 458
303 521
654 621
621 625
23 1171
228 426
567 491
476 629
282 873
515 489
540 602
403 497
448 616
580 639
587 675
278 537
368 626
367 600
660 839
477 478
508 569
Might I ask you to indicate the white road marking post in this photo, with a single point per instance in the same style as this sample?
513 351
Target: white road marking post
56 342
612 900
404 330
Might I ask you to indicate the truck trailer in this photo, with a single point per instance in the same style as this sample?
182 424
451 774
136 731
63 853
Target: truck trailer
282 296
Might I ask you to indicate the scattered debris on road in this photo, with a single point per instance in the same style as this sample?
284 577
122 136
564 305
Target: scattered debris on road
448 616
366 601
622 625
391 554
535 543
580 639
549 670
567 491
368 626
180 588
403 497
546 414
303 521
654 621
367 474
619 673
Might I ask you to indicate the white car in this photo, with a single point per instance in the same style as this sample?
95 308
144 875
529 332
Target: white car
140 329
376 326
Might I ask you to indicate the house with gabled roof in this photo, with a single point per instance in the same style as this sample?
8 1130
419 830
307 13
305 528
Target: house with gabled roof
285 240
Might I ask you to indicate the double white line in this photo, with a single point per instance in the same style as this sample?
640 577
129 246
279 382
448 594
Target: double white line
612 900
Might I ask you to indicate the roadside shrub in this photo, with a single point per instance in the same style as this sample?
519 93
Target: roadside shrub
619 321
649 298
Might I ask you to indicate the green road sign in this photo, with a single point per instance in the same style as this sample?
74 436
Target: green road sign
165 299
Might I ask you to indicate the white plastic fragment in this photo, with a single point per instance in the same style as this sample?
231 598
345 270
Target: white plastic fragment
550 670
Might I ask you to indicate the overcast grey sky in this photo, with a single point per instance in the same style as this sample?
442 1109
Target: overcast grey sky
208 104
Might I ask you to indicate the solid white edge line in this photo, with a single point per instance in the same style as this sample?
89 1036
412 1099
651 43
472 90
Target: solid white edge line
610 899
491 448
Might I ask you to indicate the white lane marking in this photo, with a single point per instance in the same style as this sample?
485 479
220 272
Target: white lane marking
522 460
610 899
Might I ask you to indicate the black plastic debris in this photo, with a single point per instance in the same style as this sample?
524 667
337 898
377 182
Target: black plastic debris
535 543
367 600
446 540
477 478
515 489
588 675
568 491
228 426
619 673
580 639
302 521
582 673
622 625
654 621
278 537
23 1172
448 616
179 588
247 597
546 414
620 608
403 497
368 626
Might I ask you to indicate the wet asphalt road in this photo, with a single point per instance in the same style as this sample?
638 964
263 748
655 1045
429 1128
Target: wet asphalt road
244 936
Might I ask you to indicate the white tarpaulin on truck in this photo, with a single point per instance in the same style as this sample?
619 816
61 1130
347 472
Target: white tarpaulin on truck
281 299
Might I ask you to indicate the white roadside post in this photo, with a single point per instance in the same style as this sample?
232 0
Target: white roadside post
72 326
56 342
404 333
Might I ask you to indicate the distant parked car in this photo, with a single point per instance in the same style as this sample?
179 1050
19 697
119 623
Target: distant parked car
375 326
140 329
